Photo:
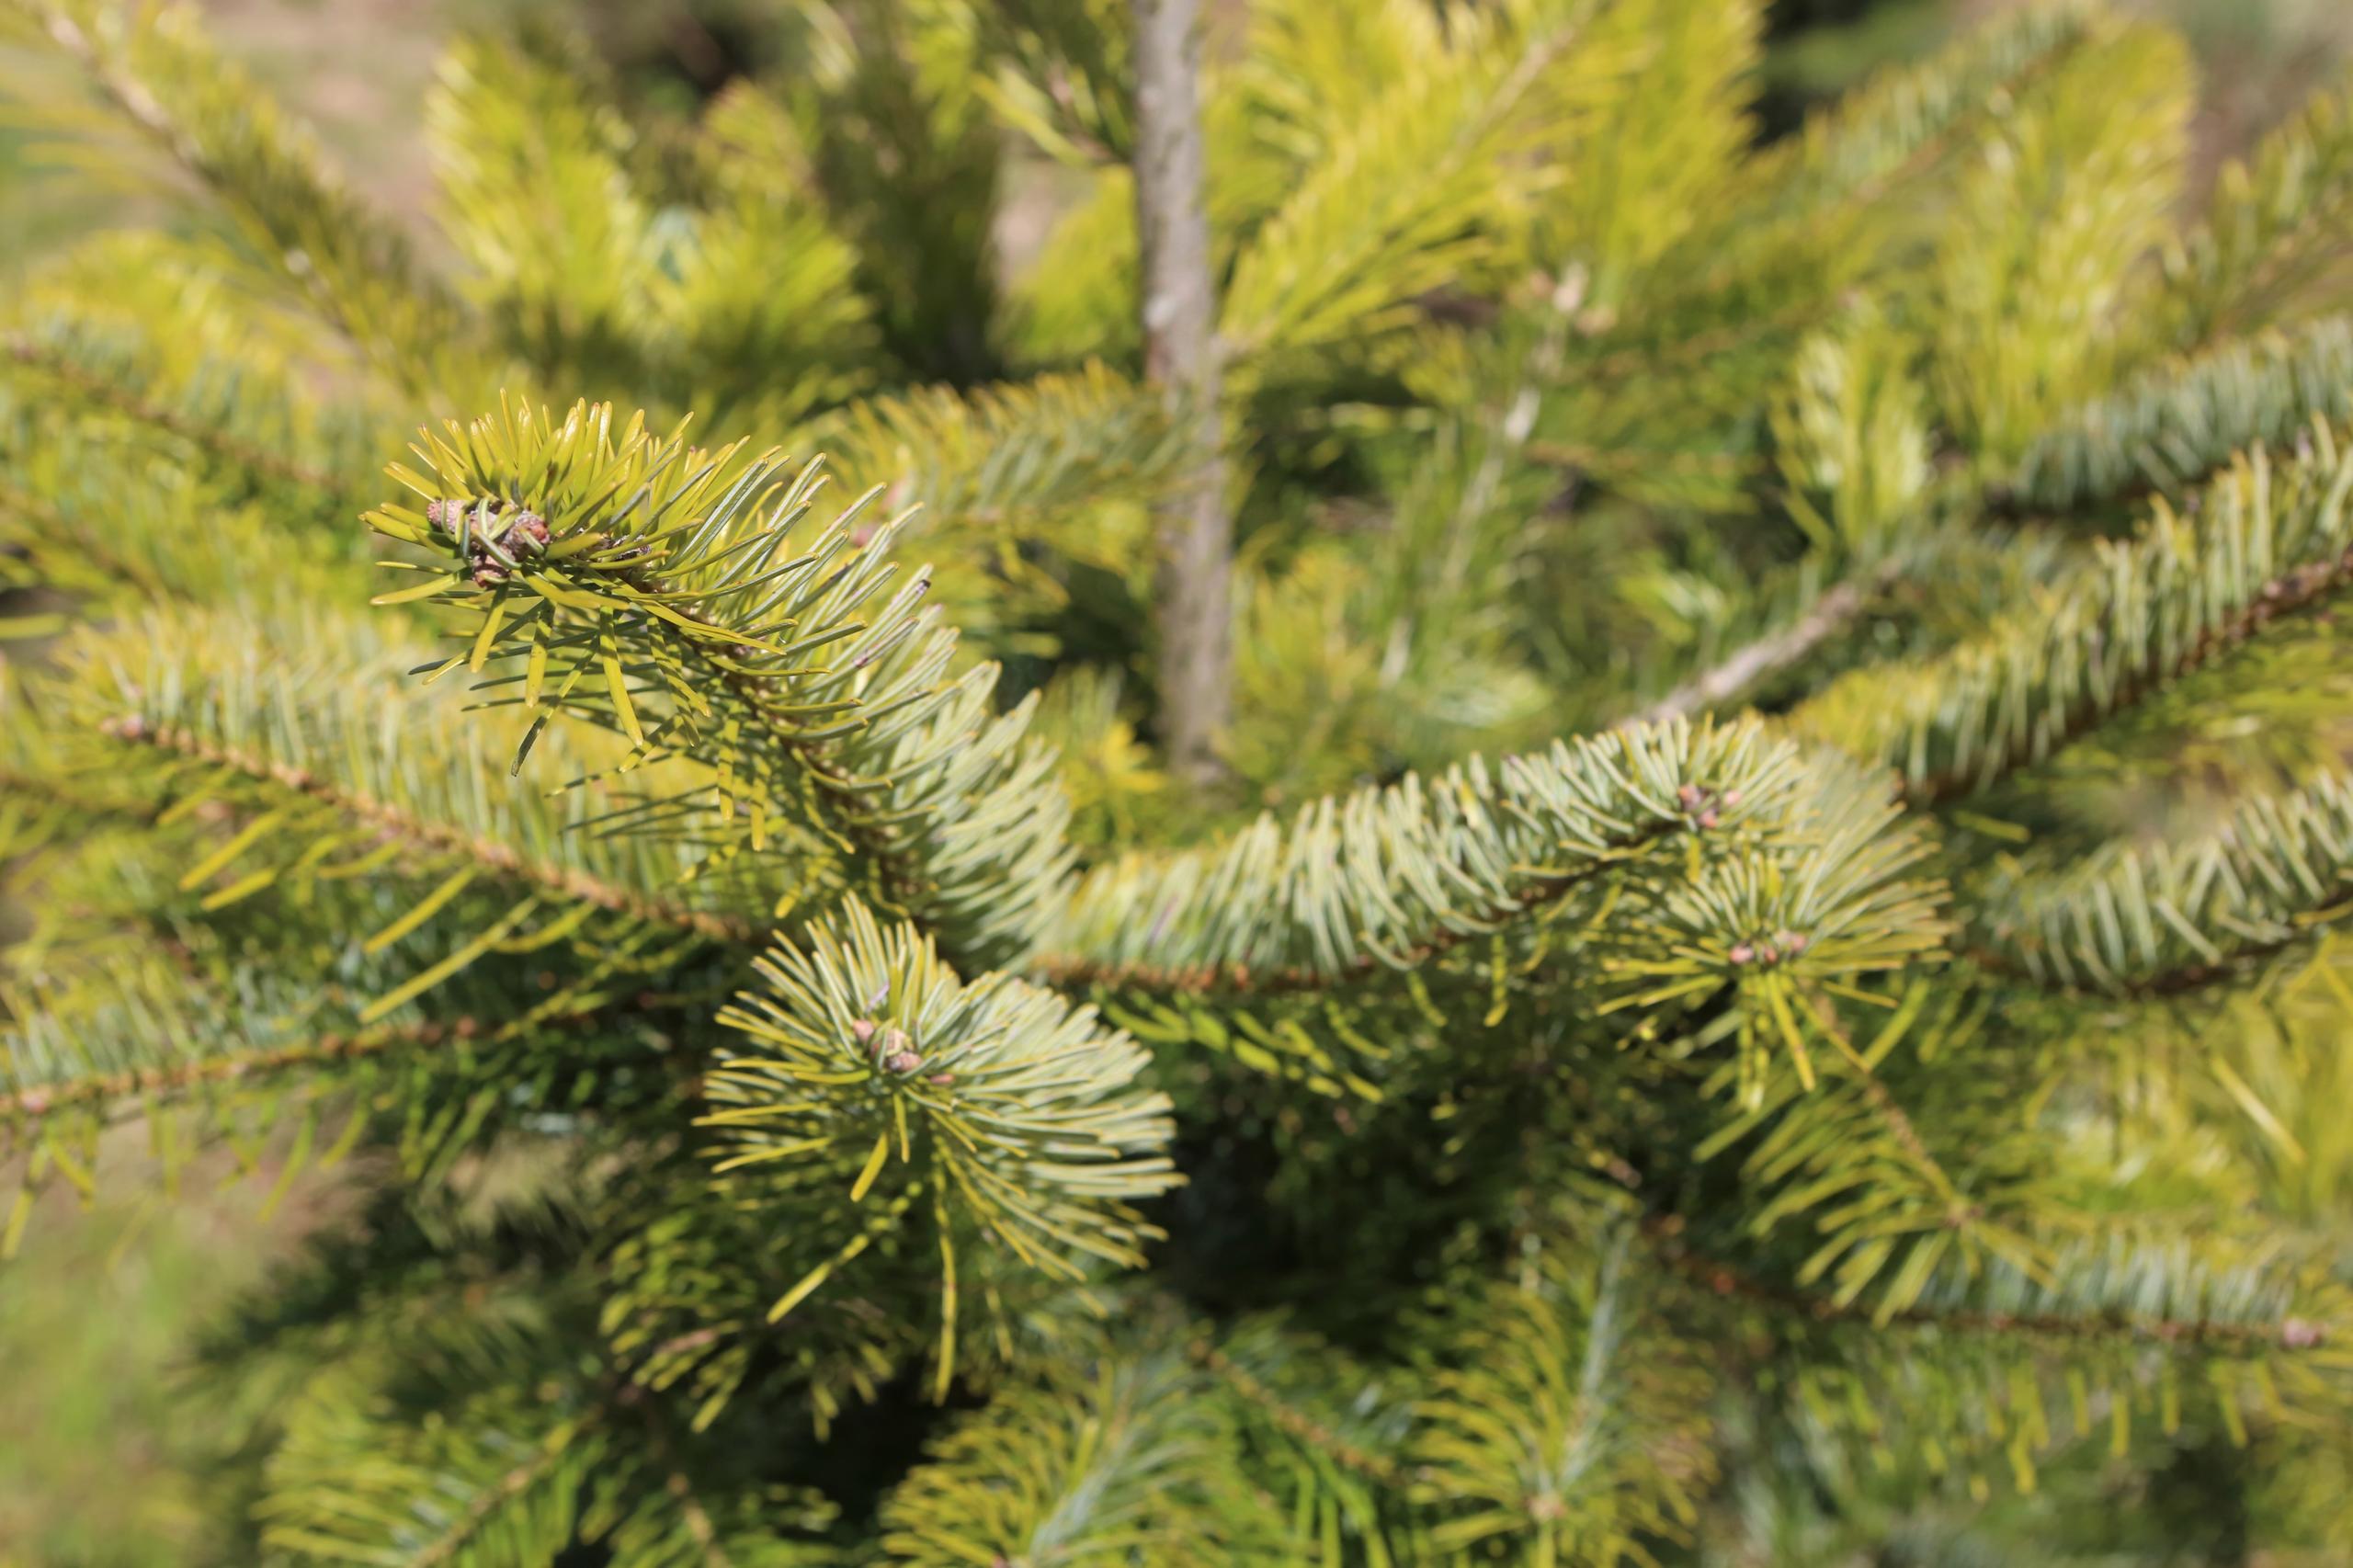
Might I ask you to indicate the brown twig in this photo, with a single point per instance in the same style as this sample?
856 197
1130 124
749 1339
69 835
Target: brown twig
1768 655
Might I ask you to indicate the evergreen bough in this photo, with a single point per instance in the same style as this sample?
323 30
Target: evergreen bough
822 1096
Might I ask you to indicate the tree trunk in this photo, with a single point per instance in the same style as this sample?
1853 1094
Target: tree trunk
1181 351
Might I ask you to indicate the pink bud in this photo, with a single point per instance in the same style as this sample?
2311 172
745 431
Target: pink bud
895 1053
1709 819
1740 953
1689 795
1732 797
863 1029
1795 941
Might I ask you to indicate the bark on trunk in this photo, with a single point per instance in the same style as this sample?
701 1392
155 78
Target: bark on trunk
1193 615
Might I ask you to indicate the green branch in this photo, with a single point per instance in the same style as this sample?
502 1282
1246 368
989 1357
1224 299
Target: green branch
652 589
2259 545
224 444
2174 917
439 838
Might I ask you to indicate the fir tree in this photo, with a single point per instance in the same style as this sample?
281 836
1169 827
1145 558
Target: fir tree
1855 1073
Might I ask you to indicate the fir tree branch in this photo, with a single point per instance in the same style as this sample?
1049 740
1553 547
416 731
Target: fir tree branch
873 1061
1621 462
2298 590
997 457
1723 1278
127 535
1112 1456
1528 902
669 1467
1417 187
437 837
1571 1414
28 1106
1065 76
1620 361
2184 980
2276 225
272 883
2174 917
2046 230
1901 122
1295 1423
769 702
1796 871
484 1508
698 1520
1800 220
1883 1201
2176 423
222 445
81 559
1390 878
126 90
1420 594
497 1470
1960 1210
356 269
2261 544
649 588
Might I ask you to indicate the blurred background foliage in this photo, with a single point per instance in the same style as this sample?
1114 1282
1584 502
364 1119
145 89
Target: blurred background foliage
358 70
102 1454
